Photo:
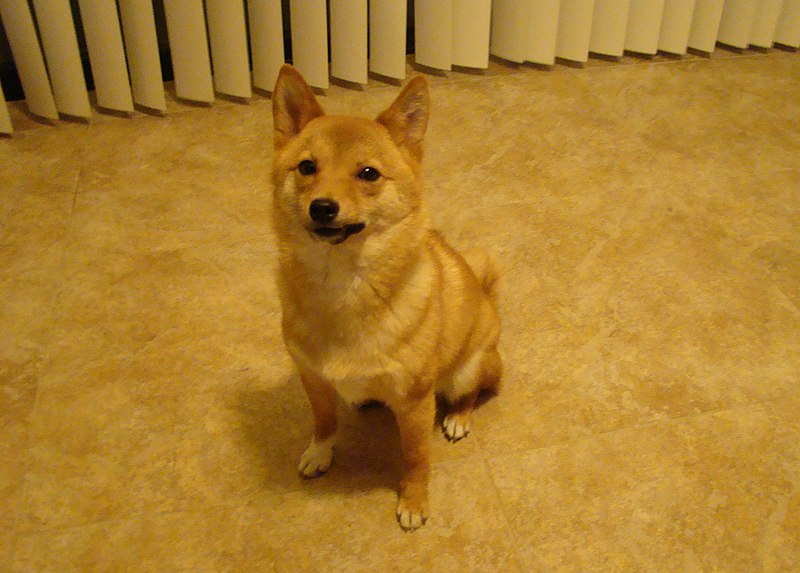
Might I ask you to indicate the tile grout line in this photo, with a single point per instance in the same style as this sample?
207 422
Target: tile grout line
645 426
244 502
28 442
25 478
515 541
26 462
81 169
621 119
758 403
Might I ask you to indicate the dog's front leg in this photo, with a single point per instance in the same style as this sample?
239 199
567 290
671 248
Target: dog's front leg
414 420
317 458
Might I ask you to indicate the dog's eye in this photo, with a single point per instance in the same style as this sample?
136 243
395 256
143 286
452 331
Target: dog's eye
369 174
307 167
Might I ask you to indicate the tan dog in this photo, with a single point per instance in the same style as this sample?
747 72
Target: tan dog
376 305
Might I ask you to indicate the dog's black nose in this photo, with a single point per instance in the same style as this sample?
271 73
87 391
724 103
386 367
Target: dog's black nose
323 210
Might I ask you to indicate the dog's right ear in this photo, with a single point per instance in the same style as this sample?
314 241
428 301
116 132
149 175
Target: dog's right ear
293 105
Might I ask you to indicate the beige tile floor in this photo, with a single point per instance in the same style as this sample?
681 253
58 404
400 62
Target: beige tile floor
647 215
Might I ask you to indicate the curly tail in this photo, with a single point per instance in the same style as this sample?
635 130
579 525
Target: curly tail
486 271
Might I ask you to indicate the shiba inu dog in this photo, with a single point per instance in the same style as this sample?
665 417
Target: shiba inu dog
376 305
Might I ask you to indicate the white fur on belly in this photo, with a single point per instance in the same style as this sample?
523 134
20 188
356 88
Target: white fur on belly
464 380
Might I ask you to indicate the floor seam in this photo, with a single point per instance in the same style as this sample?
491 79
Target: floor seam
515 541
644 426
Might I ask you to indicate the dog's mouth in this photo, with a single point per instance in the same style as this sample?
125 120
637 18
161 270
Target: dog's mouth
336 235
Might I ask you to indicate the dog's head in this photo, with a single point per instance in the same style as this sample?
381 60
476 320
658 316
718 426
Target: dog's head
337 177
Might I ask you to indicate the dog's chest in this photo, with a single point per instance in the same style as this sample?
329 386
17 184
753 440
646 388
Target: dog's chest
363 326
359 362
348 336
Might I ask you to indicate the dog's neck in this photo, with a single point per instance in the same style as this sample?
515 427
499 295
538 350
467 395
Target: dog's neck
377 260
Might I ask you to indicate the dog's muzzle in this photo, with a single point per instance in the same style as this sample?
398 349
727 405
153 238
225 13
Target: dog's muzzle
339 234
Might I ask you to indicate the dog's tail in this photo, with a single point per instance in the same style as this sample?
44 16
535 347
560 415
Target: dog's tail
486 271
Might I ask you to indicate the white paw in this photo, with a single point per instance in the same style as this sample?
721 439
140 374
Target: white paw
411 519
455 427
317 458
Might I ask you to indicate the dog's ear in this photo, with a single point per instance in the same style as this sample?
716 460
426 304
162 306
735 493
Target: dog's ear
293 105
407 117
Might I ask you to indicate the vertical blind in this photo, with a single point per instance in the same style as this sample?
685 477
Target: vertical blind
230 46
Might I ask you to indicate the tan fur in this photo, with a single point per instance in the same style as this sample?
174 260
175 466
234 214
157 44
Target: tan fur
392 313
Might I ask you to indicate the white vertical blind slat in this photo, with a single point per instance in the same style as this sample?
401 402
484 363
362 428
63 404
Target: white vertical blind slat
60 44
471 26
542 31
705 24
387 37
447 33
509 29
788 31
309 24
5 118
609 25
574 30
266 41
433 33
675 25
21 34
228 33
106 54
765 23
191 66
737 22
644 24
141 43
349 40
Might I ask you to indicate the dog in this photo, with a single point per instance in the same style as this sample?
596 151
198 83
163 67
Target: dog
376 306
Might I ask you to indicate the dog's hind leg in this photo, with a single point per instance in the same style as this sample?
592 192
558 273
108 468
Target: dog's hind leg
491 371
317 458
456 424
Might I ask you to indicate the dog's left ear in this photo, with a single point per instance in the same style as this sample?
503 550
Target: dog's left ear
407 117
293 105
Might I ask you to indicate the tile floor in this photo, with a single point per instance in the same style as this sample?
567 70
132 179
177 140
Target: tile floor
647 214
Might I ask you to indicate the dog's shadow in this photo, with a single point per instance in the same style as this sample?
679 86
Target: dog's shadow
276 426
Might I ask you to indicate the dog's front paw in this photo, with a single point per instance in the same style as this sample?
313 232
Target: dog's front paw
317 458
411 515
456 427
